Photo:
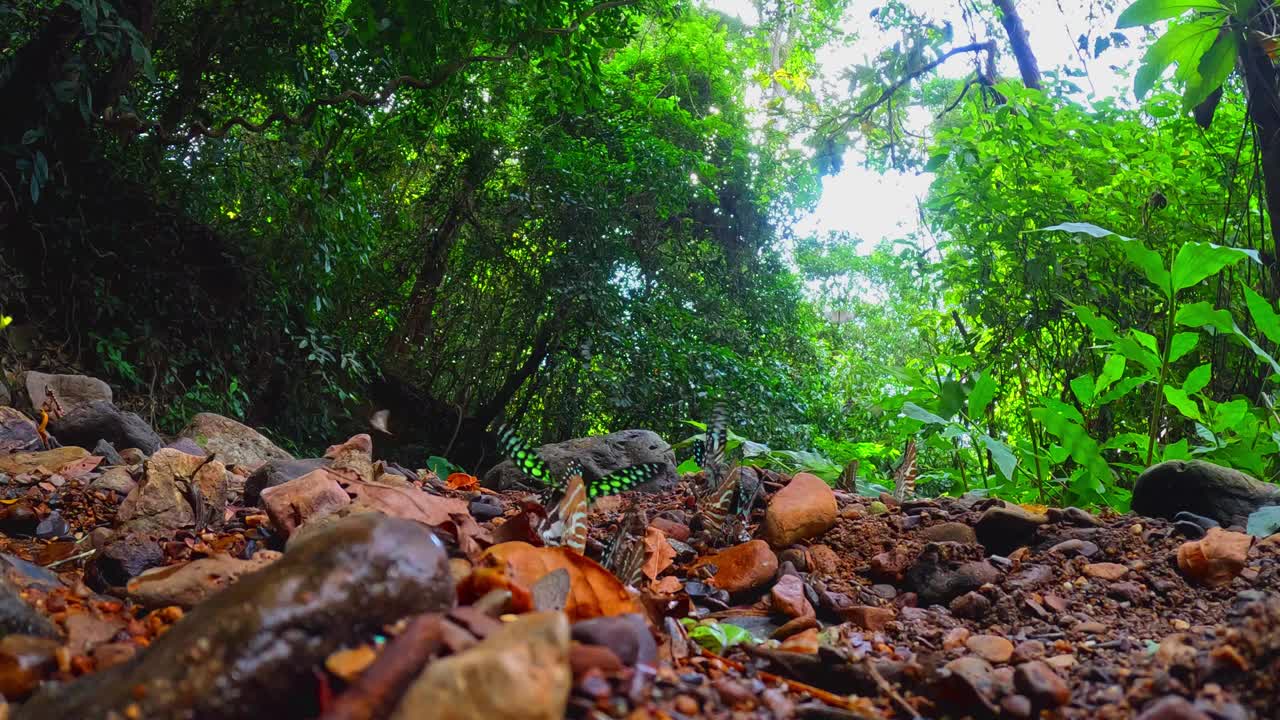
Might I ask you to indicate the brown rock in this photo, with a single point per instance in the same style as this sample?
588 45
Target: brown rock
802 642
114 653
72 391
734 694
1003 529
187 584
891 565
804 509
1215 559
868 617
1028 650
86 631
795 626
24 662
1105 571
950 532
1044 687
19 519
585 658
673 529
966 683
972 605
234 443
1016 706
788 597
742 567
992 648
1172 707
313 495
520 671
17 431
956 637
822 560
161 504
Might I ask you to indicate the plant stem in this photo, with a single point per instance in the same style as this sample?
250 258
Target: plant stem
1157 407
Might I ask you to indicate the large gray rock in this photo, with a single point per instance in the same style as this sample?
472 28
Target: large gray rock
599 456
234 443
279 472
100 420
1195 486
251 649
72 391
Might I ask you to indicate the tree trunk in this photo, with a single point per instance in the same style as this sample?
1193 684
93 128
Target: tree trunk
1261 83
1012 22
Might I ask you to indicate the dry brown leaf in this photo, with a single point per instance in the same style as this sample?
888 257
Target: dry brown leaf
669 585
593 591
406 502
79 467
461 481
483 580
658 553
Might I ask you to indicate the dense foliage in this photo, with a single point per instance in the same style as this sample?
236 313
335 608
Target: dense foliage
579 216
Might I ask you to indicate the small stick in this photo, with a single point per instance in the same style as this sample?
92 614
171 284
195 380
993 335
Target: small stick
77 556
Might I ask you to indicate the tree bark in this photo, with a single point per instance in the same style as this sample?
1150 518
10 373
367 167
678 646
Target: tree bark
1261 83
1012 22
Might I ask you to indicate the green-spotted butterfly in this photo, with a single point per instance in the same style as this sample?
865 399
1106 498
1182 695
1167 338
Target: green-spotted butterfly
623 480
524 456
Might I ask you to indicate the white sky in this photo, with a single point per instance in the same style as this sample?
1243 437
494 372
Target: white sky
872 206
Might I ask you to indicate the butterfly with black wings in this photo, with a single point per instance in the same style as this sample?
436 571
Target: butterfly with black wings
625 554
724 502
532 465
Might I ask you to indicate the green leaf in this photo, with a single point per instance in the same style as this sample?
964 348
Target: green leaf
1083 388
1002 455
1199 260
1263 314
1202 314
915 412
1264 522
1146 12
1124 387
1179 399
1184 44
984 391
1197 379
1183 343
1112 370
1214 69
688 466
1150 263
1082 228
1101 326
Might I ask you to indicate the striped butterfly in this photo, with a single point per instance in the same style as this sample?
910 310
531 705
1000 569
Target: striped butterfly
625 555
566 524
904 478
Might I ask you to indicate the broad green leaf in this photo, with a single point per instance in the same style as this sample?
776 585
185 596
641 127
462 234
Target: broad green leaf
1061 409
1147 341
1148 358
1082 228
915 412
1183 43
1112 370
1083 388
1198 260
1101 326
688 466
1150 263
1183 343
984 391
1146 12
1179 399
1263 314
1214 69
1226 416
1197 379
1002 455
1202 314
1177 451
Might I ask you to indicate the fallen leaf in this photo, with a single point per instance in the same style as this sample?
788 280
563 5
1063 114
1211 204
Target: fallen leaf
461 481
594 591
668 585
658 553
484 580
349 663
521 528
406 502
76 468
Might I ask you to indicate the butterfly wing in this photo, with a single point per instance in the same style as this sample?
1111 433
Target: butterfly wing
524 456
625 556
849 477
717 436
623 480
904 478
566 524
717 507
700 451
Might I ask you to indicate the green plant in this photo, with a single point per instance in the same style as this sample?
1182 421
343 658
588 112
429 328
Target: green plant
716 636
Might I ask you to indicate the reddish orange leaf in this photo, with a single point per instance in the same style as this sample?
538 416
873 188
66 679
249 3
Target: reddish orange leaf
461 481
669 585
593 591
658 553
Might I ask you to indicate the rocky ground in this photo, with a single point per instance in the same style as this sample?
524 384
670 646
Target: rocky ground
214 576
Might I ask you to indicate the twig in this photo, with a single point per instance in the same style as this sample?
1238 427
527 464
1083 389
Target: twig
77 556
888 689
794 685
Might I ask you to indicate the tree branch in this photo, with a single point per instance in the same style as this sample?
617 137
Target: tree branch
989 46
1012 22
